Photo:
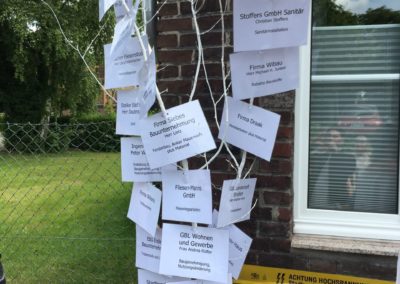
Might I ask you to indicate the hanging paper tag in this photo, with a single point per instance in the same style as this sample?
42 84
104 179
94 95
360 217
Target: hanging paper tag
266 24
134 164
262 73
236 201
200 253
144 208
148 249
250 128
187 196
182 134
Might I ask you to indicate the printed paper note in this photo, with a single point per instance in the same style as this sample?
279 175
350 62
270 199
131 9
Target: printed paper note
182 134
262 73
187 196
148 249
200 253
236 201
250 128
144 208
266 24
123 66
239 246
128 112
134 164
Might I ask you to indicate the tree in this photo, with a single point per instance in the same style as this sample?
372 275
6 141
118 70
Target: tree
328 13
381 15
40 75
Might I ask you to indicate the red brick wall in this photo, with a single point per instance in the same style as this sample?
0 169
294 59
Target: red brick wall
271 222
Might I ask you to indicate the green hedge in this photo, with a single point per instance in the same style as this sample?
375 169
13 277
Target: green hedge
89 133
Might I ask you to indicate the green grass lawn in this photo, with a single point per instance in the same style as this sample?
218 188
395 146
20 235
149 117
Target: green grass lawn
63 219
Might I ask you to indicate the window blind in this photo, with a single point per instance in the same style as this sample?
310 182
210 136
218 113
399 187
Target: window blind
354 118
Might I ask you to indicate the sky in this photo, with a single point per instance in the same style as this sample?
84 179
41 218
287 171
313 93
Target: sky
360 6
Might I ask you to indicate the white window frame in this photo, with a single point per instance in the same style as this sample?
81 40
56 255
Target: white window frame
328 222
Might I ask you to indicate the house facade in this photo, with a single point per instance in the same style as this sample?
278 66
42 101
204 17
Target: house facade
328 201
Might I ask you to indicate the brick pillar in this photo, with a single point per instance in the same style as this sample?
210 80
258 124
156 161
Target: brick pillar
271 221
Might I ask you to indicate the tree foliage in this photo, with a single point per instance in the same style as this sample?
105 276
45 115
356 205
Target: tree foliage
40 75
381 15
328 13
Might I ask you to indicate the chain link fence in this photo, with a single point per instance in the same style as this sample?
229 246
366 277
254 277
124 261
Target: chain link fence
63 206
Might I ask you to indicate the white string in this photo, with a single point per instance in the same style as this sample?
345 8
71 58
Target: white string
95 38
155 14
144 16
212 27
250 169
199 50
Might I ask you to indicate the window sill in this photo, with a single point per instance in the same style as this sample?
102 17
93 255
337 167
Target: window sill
346 245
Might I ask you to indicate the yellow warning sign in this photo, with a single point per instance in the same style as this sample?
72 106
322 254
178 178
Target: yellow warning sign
252 274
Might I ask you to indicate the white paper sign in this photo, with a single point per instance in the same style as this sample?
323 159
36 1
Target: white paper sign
187 196
147 277
183 134
119 9
236 201
266 24
144 208
128 112
104 5
148 249
123 66
250 128
239 246
134 164
124 29
262 73
200 253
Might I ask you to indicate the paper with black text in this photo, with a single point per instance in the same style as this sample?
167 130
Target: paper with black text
236 201
200 253
262 73
148 277
128 112
144 208
148 249
250 128
134 164
182 134
187 196
239 246
123 66
266 24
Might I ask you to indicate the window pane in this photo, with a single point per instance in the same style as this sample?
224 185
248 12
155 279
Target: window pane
354 110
